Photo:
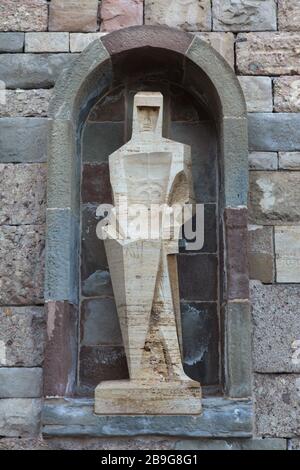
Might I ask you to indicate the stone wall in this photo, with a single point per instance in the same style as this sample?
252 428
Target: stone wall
260 40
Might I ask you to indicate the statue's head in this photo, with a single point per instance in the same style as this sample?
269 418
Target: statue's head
147 114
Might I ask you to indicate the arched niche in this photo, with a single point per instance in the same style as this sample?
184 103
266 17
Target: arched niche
128 59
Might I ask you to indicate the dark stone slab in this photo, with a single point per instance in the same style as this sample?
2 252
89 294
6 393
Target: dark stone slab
273 132
97 284
200 331
110 108
210 231
198 277
99 363
95 185
11 42
23 140
220 418
100 323
184 106
100 139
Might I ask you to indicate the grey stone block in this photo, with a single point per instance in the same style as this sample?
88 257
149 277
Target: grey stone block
20 417
20 382
277 405
100 323
102 139
261 253
263 161
294 444
219 418
237 354
98 283
274 197
11 42
32 70
22 336
62 248
22 193
271 132
26 103
23 140
22 261
230 444
275 310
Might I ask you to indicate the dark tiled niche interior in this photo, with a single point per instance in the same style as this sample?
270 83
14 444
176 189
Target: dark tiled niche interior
101 353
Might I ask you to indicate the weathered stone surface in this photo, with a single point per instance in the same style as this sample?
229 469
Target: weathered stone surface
277 404
100 323
191 15
97 284
289 160
268 53
79 41
20 382
276 332
22 193
116 14
198 277
294 444
11 42
253 15
31 15
287 94
223 43
220 418
287 251
70 15
100 139
261 253
95 186
21 270
273 132
258 94
22 336
289 15
274 197
263 161
32 70
20 417
23 140
229 444
47 42
26 103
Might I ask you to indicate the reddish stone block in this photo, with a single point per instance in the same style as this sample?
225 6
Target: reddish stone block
237 253
117 14
73 16
61 349
96 187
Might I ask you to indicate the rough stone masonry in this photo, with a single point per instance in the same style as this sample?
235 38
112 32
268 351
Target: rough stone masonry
260 40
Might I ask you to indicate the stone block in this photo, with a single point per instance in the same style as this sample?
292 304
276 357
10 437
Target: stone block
32 70
273 132
11 42
23 140
253 15
222 43
288 15
274 197
26 103
268 53
46 42
20 417
79 41
236 321
31 15
198 277
287 252
261 253
102 139
23 193
100 323
95 186
258 93
20 382
70 15
116 14
287 94
110 108
294 444
231 444
97 284
263 161
22 336
61 282
275 310
277 402
289 160
22 255
194 15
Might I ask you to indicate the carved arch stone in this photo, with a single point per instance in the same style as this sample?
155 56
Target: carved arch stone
200 69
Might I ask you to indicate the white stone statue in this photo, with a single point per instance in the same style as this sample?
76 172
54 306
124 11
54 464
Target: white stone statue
148 170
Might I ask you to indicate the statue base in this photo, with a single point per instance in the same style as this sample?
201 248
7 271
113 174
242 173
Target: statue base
129 397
